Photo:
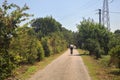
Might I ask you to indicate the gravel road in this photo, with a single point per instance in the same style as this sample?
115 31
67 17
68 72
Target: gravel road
65 67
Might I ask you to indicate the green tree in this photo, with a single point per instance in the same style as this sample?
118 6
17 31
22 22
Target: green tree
54 43
26 46
11 16
52 35
93 46
68 35
115 56
114 47
45 26
114 40
57 42
46 47
93 37
117 32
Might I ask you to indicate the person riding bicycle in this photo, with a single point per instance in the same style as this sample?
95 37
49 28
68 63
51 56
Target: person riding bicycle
71 49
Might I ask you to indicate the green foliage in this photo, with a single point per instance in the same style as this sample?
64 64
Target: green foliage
10 16
46 47
117 32
44 26
104 60
40 51
114 47
68 36
58 43
53 43
114 40
51 34
93 37
115 56
26 46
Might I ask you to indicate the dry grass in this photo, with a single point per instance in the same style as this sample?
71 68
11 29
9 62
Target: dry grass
99 71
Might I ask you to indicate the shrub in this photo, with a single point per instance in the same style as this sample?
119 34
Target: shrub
40 51
115 56
26 48
46 47
93 47
105 60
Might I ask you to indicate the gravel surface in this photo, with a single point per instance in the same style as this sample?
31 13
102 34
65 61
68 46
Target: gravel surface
65 67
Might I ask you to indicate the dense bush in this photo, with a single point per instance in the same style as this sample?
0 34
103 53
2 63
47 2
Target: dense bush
40 51
46 47
26 47
10 16
93 47
114 47
53 44
53 36
115 56
93 37
57 42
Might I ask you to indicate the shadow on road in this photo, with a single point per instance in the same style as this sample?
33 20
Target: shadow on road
78 54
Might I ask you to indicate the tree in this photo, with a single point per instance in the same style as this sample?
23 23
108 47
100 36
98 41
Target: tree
93 47
11 15
54 43
93 37
57 42
46 47
52 35
114 47
115 56
117 32
68 35
45 26
26 46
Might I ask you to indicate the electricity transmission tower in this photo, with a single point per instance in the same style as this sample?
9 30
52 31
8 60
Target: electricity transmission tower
105 14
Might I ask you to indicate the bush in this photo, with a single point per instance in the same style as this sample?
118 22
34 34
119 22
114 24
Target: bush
115 56
26 48
105 60
40 51
53 44
93 47
6 67
46 47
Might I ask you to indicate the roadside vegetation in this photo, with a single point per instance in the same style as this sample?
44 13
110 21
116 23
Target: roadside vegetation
21 45
99 41
99 69
103 50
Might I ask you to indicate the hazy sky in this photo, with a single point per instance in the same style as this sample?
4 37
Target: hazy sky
70 12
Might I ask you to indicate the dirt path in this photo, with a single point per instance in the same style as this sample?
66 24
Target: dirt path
66 67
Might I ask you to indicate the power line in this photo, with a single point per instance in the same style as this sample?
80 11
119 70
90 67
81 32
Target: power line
115 12
85 7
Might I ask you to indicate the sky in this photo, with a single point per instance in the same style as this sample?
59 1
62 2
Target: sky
71 12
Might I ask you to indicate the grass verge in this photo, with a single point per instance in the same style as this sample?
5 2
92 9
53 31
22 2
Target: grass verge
98 69
25 71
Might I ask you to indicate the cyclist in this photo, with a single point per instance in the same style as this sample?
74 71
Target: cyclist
71 49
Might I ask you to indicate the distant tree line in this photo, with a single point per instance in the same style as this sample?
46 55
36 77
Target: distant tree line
26 45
